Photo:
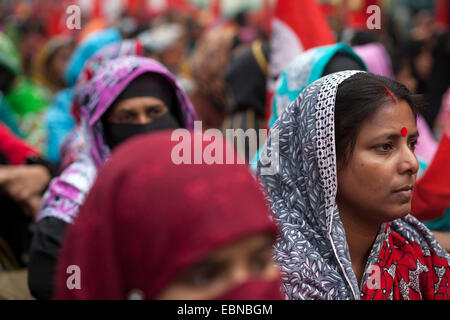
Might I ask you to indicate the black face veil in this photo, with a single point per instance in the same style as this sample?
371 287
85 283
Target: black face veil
146 85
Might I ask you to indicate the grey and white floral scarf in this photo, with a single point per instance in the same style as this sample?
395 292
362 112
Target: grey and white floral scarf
312 250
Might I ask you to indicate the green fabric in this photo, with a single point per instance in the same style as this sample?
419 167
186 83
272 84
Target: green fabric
441 224
26 97
29 103
9 56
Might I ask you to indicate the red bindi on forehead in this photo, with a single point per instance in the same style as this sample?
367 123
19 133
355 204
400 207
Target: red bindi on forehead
404 132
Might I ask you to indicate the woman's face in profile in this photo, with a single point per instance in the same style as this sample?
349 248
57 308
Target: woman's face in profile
243 260
376 183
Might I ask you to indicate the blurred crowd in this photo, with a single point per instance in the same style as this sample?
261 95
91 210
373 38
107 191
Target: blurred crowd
64 106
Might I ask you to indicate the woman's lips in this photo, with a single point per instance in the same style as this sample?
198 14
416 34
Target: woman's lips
404 194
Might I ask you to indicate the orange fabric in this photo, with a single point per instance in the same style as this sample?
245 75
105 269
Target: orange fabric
94 25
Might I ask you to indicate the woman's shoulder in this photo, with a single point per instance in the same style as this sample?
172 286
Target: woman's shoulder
421 263
409 230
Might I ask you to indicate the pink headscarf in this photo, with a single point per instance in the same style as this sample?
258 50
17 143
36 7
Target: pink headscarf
68 191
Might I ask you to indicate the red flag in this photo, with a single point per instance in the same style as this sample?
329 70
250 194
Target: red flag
54 24
297 25
132 8
442 14
356 15
55 16
97 9
267 13
215 9
182 5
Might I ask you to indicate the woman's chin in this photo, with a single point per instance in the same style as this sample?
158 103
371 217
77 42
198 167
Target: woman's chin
400 211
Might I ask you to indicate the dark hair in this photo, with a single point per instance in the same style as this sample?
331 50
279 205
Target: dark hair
362 37
400 60
6 79
358 98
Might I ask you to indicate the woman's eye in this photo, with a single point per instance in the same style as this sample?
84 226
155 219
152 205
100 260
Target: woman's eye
260 263
126 118
384 147
413 145
153 111
201 278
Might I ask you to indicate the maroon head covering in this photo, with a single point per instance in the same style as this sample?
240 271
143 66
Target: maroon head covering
146 220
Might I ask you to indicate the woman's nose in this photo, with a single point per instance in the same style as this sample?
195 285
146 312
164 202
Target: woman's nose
409 163
240 274
144 119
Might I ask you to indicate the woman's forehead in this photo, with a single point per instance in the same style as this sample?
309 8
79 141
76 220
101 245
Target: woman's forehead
392 117
138 102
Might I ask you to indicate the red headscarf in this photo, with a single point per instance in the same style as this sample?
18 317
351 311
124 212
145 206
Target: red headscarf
147 219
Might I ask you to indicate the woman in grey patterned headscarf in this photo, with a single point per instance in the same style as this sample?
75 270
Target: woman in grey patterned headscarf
340 178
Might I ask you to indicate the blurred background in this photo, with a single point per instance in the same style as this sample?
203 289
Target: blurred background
181 33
